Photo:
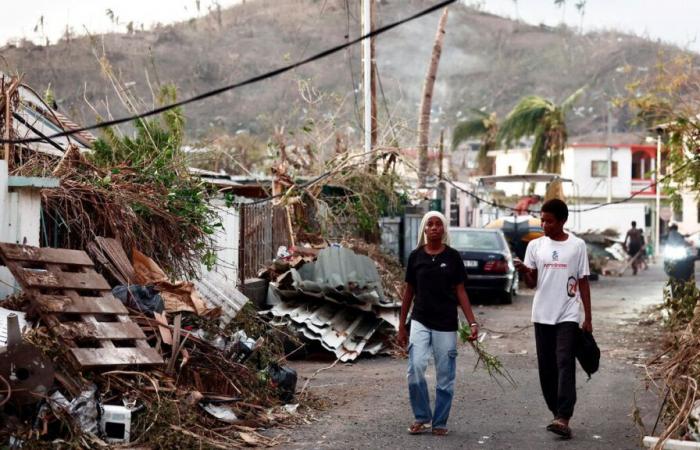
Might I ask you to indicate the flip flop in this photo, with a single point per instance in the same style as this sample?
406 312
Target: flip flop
419 428
440 431
559 429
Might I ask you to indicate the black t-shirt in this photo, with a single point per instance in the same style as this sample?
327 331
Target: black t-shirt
434 278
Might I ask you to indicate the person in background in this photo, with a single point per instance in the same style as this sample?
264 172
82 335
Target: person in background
523 205
556 265
435 278
634 243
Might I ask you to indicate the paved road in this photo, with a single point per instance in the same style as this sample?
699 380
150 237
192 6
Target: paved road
369 404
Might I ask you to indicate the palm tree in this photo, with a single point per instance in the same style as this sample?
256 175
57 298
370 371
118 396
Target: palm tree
546 122
483 126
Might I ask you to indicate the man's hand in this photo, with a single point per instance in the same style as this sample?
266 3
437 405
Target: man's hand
402 338
519 265
587 325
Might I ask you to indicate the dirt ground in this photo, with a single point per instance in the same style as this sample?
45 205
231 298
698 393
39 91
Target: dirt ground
369 400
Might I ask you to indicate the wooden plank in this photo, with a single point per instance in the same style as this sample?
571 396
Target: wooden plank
45 255
80 305
64 280
97 357
100 330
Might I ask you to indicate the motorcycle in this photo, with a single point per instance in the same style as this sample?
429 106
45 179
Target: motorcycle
679 262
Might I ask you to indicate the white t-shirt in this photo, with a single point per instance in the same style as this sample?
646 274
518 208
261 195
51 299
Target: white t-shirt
559 264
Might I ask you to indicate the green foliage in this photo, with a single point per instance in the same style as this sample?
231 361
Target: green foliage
668 97
483 126
680 299
546 121
152 157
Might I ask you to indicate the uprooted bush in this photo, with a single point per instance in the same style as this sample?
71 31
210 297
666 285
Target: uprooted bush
137 189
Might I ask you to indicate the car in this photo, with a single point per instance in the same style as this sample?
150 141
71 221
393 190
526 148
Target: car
488 262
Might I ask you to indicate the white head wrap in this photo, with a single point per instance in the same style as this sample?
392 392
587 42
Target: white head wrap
422 239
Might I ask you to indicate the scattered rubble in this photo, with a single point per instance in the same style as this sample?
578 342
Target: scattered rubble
94 372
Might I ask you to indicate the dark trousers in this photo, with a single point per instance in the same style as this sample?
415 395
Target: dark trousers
556 359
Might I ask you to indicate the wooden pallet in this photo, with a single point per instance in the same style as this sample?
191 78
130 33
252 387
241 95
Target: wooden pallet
77 304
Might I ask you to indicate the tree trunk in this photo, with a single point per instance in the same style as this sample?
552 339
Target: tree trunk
427 100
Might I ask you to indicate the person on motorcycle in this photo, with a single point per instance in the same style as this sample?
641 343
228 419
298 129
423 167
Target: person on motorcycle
679 263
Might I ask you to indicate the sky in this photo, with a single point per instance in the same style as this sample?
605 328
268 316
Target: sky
675 21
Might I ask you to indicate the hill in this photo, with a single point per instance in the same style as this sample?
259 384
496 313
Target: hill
488 62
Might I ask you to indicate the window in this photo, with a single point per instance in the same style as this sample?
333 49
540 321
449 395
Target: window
600 169
475 240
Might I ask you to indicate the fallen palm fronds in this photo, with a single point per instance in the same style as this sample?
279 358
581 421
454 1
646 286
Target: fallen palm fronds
491 363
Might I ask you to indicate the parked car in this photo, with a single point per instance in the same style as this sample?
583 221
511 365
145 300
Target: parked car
488 262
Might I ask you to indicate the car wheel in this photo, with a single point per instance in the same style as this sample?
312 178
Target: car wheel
507 297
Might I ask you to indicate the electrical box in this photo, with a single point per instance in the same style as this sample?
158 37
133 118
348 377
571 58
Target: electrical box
116 423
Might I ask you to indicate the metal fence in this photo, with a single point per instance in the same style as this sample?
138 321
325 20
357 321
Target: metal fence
264 228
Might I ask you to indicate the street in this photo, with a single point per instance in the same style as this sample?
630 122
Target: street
369 400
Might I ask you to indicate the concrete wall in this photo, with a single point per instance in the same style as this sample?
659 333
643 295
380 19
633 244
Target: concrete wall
618 217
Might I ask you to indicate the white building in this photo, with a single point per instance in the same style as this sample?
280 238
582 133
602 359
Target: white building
586 164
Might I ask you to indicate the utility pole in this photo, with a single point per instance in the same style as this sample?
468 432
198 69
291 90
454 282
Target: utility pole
610 160
657 188
441 150
369 79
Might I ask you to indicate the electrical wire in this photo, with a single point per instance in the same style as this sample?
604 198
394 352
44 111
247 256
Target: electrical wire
252 80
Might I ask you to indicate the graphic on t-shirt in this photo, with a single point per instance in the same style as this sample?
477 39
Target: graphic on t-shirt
555 255
571 285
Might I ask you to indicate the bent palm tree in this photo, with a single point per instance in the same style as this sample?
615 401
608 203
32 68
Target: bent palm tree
546 122
485 127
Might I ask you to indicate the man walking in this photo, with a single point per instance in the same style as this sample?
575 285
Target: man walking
634 242
557 266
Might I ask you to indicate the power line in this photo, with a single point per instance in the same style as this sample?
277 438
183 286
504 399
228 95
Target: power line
246 82
594 207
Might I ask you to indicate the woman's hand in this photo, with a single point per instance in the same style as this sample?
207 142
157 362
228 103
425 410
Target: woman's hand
475 331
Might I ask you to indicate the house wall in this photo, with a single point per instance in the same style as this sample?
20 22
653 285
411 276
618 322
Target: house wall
226 242
513 162
691 204
577 166
617 217
20 213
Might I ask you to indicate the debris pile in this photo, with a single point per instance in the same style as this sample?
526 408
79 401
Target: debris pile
337 300
676 370
153 368
606 256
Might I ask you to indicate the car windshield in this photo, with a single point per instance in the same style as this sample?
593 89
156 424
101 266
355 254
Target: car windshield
475 240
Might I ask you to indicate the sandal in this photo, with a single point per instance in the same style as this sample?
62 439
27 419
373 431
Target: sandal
419 428
440 431
559 429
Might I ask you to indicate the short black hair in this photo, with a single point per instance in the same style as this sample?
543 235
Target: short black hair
634 223
556 207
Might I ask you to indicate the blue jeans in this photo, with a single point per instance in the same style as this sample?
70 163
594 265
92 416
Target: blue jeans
443 345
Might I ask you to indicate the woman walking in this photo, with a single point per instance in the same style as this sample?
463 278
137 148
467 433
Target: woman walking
435 278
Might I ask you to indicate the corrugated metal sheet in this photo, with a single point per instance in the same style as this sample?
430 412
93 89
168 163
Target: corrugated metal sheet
219 291
345 331
337 300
